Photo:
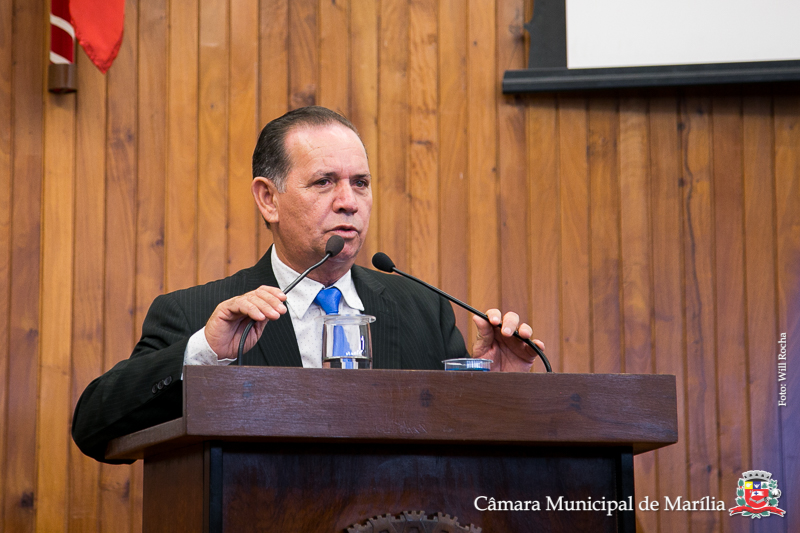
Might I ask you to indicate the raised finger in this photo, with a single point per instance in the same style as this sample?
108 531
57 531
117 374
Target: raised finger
484 328
251 306
525 331
510 323
269 304
495 318
272 296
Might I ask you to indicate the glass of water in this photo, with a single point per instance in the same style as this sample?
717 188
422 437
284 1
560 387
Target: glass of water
346 341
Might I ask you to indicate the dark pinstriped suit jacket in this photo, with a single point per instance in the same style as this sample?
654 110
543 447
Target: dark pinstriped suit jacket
415 329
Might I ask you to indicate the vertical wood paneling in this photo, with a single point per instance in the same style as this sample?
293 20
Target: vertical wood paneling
635 235
544 231
636 268
334 56
212 181
483 270
668 300
6 173
56 318
453 193
242 134
604 194
639 232
698 243
89 287
512 177
787 220
26 201
364 102
120 259
303 53
180 262
424 140
759 246
151 189
152 155
393 201
273 78
575 287
734 446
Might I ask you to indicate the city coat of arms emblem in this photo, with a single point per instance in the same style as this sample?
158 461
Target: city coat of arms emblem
757 495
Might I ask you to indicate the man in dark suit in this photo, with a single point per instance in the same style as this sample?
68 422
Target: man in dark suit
311 181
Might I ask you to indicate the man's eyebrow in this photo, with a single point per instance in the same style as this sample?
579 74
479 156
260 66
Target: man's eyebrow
333 173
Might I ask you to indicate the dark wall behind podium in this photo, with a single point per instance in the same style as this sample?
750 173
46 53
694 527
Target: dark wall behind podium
640 232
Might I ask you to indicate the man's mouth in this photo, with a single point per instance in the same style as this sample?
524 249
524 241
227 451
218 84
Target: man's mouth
345 231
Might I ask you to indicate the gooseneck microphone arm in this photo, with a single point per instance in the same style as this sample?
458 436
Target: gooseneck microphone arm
382 262
332 247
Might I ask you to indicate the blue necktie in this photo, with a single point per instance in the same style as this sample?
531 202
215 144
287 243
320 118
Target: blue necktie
328 300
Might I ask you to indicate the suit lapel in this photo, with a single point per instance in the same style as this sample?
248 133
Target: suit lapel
386 334
278 344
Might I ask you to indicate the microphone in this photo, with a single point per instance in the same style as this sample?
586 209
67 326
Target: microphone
382 262
334 245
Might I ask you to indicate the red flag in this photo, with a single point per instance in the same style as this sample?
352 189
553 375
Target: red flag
98 27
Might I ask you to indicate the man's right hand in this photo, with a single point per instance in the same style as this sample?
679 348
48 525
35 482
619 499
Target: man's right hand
226 325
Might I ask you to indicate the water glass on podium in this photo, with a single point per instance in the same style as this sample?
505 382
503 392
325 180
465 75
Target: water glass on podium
346 341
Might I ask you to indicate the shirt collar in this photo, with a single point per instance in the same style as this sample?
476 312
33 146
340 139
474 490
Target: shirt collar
302 296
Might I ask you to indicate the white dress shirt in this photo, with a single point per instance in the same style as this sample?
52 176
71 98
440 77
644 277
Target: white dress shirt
302 311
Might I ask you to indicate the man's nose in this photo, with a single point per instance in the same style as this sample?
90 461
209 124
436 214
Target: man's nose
345 199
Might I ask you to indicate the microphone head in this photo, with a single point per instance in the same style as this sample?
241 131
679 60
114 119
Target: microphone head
334 245
382 262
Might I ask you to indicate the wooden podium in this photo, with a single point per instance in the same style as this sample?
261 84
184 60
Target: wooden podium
311 450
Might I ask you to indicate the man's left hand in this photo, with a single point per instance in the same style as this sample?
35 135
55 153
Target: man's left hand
498 344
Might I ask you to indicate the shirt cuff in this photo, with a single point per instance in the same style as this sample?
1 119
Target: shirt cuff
198 352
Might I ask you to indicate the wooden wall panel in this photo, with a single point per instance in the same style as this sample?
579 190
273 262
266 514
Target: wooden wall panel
53 423
698 254
334 56
604 235
363 96
787 232
243 130
23 348
734 445
483 270
273 78
511 172
212 179
303 53
636 268
576 329
423 150
151 167
120 243
759 244
668 299
452 172
391 221
6 174
637 231
544 230
180 231
89 286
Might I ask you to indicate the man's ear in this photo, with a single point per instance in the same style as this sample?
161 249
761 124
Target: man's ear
266 196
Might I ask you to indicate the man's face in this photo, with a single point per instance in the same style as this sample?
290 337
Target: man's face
328 192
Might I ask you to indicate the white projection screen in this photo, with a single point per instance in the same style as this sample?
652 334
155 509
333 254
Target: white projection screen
602 44
638 33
